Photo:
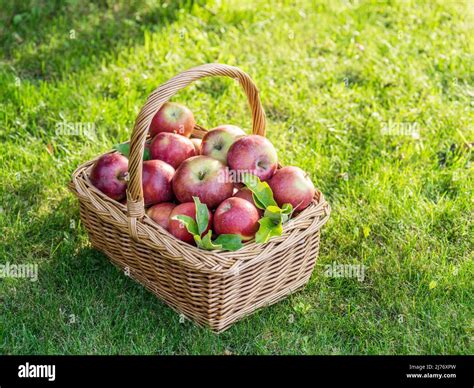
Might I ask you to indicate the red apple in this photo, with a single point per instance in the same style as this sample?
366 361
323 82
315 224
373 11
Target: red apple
177 228
203 177
216 143
292 185
197 145
109 174
157 176
171 148
174 118
160 213
246 194
254 154
236 216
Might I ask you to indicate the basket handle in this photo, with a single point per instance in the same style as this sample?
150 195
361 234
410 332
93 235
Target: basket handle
155 101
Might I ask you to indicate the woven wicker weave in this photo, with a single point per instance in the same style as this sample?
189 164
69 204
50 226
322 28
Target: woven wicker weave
214 288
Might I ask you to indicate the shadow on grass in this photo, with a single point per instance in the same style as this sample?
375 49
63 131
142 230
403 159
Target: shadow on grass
80 302
62 37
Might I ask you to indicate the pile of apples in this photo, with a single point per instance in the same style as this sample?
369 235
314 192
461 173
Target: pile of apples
181 169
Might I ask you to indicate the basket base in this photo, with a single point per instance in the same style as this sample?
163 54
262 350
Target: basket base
219 326
214 299
222 319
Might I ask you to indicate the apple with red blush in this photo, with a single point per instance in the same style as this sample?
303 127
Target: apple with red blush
236 216
246 194
174 118
109 174
294 186
197 145
178 229
254 154
171 148
156 180
160 213
205 178
216 142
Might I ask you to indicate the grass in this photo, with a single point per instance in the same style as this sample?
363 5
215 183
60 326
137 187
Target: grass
375 99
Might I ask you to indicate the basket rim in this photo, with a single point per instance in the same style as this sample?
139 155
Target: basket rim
308 221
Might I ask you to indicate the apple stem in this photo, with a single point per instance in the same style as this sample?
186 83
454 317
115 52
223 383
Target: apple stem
124 176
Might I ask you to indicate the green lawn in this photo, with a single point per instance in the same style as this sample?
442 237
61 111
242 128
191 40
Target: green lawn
374 99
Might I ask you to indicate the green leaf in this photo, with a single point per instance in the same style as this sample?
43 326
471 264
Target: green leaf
279 215
188 222
146 154
262 193
271 224
286 212
273 212
206 242
198 241
229 242
267 229
257 202
202 215
287 208
273 209
123 148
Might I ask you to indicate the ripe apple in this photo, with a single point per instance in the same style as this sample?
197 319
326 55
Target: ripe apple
203 177
216 142
160 213
254 154
173 117
197 145
236 216
177 228
246 194
171 148
292 185
157 176
109 174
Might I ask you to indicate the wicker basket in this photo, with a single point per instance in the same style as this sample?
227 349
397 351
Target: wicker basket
213 288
